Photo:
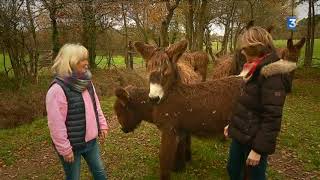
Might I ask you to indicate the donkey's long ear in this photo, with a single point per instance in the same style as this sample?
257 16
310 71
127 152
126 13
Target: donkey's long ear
145 50
250 24
290 43
122 95
175 50
300 44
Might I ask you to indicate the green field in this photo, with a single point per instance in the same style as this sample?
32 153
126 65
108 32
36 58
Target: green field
117 61
8 63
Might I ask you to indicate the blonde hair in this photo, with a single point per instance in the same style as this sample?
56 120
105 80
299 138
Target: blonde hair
255 36
68 57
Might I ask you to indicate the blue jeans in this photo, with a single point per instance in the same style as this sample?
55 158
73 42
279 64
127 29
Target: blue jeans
237 168
91 154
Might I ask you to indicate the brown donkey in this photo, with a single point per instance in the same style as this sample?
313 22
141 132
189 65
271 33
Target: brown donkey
292 52
195 62
198 60
132 106
201 109
229 65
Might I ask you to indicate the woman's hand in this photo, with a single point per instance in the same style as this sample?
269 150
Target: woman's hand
253 158
225 131
103 134
69 158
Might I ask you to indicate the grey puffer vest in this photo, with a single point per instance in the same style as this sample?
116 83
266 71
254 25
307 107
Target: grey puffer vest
76 115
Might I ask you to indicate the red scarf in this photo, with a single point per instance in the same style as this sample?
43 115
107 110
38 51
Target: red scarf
250 67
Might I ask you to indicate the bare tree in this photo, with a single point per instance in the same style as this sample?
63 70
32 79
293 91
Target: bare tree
227 22
164 38
189 22
53 7
310 33
124 16
201 25
19 38
89 29
34 49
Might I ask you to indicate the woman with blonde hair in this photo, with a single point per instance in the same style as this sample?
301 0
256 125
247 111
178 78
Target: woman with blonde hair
256 120
75 118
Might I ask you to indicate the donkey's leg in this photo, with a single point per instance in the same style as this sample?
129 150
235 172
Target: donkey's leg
204 74
188 147
168 149
180 161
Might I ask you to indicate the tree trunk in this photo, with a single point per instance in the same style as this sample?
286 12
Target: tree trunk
236 35
124 16
164 38
313 24
251 5
231 36
209 44
34 53
189 23
52 7
130 54
55 35
201 20
89 34
308 56
224 45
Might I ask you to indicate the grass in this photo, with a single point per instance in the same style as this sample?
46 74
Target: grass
117 61
8 63
135 155
301 124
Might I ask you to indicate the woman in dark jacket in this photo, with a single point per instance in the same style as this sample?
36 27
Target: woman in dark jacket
256 121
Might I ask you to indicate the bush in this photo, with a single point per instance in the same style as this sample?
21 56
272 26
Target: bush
20 103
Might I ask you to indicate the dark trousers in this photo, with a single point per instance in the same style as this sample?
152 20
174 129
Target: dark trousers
237 168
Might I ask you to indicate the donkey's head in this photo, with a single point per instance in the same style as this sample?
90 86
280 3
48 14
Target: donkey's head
162 67
292 52
125 111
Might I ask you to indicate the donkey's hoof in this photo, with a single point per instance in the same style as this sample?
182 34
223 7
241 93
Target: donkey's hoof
188 156
180 168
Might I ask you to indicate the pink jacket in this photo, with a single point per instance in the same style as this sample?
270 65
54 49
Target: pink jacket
57 107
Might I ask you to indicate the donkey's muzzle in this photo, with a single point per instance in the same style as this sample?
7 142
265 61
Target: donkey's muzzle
125 130
154 100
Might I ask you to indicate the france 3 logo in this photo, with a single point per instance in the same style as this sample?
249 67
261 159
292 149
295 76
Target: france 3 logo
292 23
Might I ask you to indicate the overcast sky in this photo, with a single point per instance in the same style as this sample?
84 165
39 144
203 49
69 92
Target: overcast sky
301 12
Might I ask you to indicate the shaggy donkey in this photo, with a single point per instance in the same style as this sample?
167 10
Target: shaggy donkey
133 106
292 52
196 61
229 65
201 109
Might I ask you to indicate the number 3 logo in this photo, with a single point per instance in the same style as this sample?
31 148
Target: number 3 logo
292 23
